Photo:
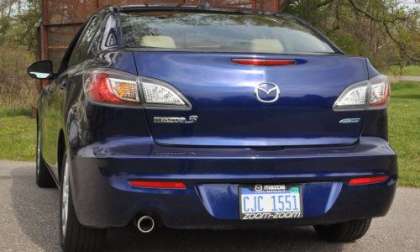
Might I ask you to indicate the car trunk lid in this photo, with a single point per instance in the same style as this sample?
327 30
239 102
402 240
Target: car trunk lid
232 105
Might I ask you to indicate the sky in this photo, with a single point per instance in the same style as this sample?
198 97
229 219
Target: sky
411 3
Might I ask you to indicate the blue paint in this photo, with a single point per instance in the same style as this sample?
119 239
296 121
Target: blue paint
237 140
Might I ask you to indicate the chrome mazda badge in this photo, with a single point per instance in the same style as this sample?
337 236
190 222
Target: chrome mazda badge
267 92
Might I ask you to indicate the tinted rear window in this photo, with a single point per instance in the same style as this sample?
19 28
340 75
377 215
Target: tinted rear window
219 32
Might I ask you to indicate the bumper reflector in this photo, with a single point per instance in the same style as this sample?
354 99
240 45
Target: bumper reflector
157 184
368 180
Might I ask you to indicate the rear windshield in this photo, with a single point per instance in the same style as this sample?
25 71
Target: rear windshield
219 32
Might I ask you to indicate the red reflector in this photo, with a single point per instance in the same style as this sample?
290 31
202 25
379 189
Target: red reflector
264 62
99 90
368 180
157 184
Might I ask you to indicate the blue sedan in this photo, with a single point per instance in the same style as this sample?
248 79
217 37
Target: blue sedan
192 118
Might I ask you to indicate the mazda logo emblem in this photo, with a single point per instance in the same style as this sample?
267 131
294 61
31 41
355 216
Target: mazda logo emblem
267 92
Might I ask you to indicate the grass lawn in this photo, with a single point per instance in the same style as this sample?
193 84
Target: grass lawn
17 132
17 135
404 131
413 70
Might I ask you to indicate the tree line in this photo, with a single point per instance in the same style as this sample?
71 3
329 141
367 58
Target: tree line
18 23
384 30
18 45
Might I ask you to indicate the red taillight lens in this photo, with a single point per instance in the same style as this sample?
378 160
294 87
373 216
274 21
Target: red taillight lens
379 94
158 184
112 87
368 180
99 90
109 86
264 62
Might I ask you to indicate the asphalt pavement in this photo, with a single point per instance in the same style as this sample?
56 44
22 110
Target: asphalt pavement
29 222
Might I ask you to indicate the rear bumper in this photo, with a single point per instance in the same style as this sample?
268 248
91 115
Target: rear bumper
103 197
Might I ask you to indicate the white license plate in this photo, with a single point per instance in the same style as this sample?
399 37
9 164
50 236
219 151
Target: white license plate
261 202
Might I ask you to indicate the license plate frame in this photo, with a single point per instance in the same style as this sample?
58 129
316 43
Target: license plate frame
265 193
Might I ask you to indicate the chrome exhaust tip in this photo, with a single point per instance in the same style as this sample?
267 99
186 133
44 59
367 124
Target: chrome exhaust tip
146 224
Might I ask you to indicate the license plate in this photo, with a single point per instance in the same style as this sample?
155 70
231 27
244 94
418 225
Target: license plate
262 202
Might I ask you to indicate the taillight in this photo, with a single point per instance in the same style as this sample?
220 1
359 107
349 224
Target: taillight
157 93
264 62
109 86
112 87
367 95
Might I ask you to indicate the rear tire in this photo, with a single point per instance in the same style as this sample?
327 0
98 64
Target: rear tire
42 174
343 232
75 237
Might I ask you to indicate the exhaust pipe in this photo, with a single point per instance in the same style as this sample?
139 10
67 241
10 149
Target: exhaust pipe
146 224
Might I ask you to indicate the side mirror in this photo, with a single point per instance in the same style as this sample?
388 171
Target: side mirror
41 70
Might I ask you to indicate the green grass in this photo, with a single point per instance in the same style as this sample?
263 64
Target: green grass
413 70
17 132
17 135
404 131
15 112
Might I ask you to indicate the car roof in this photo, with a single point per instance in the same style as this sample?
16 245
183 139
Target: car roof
186 7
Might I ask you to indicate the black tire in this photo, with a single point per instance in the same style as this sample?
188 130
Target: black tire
76 237
343 232
42 174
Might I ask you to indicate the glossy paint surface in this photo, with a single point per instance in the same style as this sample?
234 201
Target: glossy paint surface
237 140
223 95
213 176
